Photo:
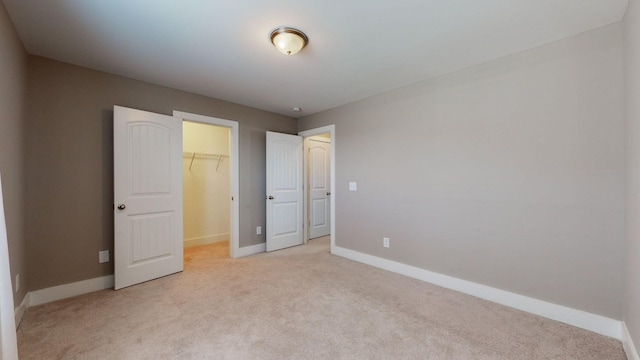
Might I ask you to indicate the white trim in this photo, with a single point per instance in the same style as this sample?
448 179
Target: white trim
252 249
331 129
22 309
584 320
234 240
8 339
203 240
306 224
60 292
627 344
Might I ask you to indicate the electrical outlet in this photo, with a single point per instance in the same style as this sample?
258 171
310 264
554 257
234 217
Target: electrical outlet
103 256
258 230
385 242
17 282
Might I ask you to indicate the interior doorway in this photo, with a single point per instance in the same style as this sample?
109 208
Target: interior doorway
206 184
328 132
233 163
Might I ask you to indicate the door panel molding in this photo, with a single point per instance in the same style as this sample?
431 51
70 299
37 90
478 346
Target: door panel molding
318 190
147 196
285 193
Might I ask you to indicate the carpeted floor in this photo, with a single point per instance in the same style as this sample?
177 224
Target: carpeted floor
298 303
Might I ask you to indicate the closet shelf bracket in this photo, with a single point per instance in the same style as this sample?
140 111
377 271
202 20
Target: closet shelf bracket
191 163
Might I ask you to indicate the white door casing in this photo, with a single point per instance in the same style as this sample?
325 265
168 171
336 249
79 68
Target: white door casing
331 130
147 196
318 155
8 338
284 162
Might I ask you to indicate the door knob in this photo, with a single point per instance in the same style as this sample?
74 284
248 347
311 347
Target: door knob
122 207
328 193
270 197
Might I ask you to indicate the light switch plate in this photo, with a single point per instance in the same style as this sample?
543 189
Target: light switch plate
353 186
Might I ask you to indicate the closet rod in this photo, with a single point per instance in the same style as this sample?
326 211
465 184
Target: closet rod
203 155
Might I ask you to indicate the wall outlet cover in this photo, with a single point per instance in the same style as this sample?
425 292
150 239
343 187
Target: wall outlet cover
103 256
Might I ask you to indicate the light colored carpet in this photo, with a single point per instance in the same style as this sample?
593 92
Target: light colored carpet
299 303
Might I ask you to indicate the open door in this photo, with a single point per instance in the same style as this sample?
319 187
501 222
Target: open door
147 196
284 191
319 185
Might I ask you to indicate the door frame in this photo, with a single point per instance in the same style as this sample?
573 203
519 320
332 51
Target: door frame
8 313
234 229
331 129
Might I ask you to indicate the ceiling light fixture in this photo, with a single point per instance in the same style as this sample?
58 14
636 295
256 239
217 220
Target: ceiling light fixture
288 40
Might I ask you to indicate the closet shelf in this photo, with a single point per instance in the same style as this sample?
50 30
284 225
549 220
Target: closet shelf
203 155
196 155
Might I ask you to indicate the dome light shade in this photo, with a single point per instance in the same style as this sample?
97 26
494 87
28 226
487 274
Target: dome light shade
288 40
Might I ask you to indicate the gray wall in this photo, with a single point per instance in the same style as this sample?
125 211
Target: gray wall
632 295
509 174
69 163
13 75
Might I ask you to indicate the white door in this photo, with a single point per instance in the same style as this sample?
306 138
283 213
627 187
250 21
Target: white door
319 187
284 191
147 196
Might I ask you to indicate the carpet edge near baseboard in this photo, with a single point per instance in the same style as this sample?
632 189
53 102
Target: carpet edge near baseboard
54 293
581 319
578 318
43 296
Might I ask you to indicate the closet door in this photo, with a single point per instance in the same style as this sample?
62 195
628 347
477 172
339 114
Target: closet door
148 196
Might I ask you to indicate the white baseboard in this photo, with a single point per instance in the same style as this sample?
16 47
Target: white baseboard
627 343
47 295
60 292
22 309
250 250
592 322
206 240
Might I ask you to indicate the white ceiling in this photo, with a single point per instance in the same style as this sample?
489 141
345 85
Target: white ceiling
357 48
